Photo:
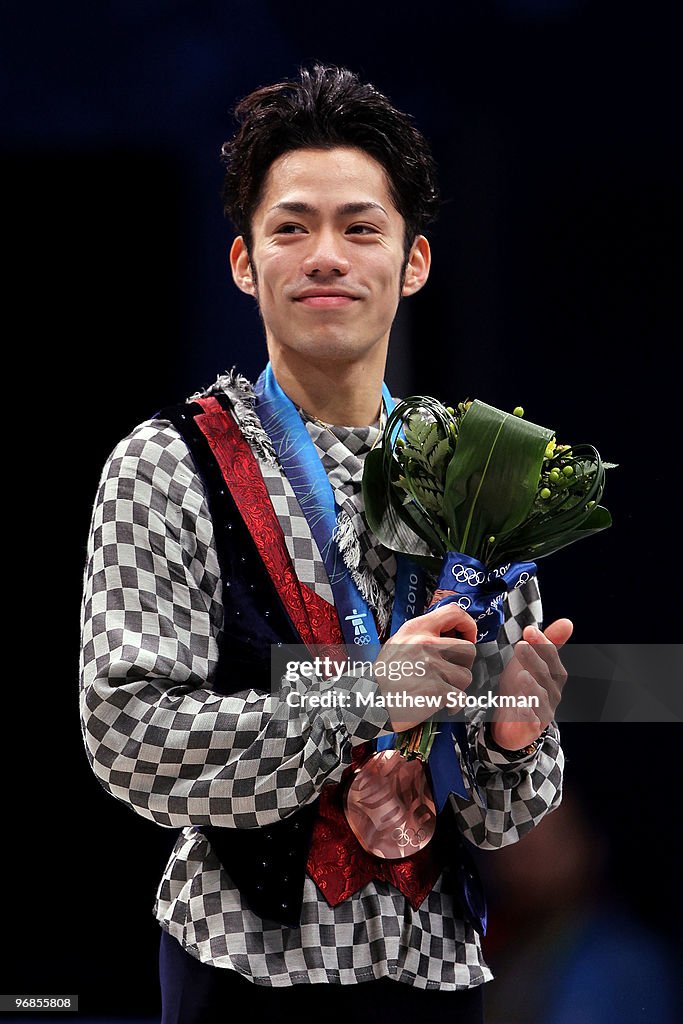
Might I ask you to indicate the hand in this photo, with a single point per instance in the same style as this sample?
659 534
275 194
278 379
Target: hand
535 668
447 661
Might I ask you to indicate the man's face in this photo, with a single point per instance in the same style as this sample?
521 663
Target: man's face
327 257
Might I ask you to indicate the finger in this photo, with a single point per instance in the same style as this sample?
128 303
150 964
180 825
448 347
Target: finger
458 652
450 617
541 708
458 677
544 711
546 705
535 660
547 652
449 669
558 632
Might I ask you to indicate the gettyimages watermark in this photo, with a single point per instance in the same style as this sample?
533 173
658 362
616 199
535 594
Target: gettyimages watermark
605 683
332 670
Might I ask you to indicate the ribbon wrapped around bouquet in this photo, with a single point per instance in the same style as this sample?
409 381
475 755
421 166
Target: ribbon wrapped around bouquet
479 591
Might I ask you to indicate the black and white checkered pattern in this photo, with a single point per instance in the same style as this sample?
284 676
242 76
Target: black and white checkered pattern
301 545
161 740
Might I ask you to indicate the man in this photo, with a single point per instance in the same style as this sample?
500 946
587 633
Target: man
209 546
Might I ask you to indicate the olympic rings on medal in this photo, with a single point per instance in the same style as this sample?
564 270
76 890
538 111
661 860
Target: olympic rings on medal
407 836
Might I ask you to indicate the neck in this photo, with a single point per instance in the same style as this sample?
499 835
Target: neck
337 393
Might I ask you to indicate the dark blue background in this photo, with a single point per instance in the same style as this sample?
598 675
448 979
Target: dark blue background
555 262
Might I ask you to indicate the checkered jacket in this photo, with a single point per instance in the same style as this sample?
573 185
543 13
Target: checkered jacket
160 738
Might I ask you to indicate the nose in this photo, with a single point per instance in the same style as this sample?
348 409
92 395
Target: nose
326 255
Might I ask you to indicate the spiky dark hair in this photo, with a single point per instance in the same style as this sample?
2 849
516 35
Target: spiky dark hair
327 107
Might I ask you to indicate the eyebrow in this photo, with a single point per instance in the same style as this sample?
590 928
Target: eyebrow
344 210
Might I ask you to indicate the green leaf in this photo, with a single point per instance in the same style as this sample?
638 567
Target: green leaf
401 528
374 488
540 543
439 454
405 525
491 481
430 440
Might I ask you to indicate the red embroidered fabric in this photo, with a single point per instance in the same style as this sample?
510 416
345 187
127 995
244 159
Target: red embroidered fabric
315 620
337 862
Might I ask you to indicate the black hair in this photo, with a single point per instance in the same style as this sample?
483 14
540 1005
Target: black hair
324 108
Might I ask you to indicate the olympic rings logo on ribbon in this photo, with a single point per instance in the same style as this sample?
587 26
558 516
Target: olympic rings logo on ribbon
362 640
467 574
523 578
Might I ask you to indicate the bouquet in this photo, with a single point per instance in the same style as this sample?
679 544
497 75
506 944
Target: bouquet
480 481
476 495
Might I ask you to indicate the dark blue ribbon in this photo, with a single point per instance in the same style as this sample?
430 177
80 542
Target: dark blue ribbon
481 591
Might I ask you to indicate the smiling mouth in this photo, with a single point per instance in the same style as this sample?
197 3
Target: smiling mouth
326 301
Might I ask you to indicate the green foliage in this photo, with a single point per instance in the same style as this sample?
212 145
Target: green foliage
479 480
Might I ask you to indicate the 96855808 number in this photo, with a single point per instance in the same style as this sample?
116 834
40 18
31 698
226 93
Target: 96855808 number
43 1002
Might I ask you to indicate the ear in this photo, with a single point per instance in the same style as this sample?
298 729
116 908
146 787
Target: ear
240 265
417 267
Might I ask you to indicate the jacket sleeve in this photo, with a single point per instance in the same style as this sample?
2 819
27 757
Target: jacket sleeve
509 794
156 735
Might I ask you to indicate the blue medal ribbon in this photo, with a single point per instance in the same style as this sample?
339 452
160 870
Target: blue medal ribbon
301 464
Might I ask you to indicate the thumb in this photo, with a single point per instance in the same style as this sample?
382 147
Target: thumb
558 632
449 617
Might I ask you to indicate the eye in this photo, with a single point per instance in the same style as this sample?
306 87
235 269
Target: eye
288 229
357 229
